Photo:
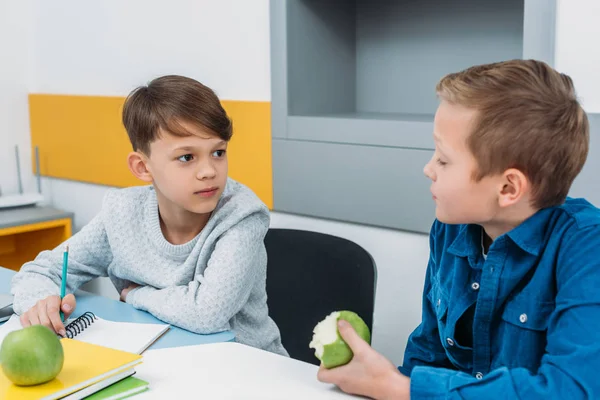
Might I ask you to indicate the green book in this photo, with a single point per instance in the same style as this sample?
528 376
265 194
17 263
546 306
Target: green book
120 390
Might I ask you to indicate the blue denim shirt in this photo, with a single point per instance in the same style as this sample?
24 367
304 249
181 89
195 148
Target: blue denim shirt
536 326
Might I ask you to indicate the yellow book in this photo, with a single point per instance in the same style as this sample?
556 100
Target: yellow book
85 364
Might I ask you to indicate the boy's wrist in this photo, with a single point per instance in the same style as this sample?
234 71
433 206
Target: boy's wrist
394 386
125 292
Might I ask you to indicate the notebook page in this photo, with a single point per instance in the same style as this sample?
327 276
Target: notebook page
126 336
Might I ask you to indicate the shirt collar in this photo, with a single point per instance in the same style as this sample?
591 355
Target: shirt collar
468 241
529 236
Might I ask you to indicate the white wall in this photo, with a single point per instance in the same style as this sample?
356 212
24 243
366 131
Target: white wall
15 47
109 47
577 53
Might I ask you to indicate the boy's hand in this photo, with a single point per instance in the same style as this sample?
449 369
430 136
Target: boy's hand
128 289
368 374
47 312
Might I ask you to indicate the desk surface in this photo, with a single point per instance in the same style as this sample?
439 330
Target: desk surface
117 311
30 215
230 371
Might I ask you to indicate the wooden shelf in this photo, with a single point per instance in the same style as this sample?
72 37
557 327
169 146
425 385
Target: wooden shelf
22 242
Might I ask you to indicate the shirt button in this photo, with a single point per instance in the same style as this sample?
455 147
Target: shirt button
475 286
450 342
479 375
523 318
439 302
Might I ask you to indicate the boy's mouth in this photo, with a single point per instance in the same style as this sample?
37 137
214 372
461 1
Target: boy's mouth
208 192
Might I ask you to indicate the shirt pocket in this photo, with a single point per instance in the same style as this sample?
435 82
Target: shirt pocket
523 332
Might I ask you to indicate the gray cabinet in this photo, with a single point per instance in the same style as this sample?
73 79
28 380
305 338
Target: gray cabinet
353 96
372 185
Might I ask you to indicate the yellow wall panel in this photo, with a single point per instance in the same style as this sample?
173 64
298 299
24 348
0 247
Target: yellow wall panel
81 138
249 152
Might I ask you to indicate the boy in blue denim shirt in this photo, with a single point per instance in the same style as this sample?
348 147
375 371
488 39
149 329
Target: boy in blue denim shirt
511 304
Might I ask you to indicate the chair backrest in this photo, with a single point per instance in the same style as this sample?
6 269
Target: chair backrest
310 275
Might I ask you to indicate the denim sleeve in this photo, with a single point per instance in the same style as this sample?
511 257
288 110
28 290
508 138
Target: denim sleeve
424 346
572 358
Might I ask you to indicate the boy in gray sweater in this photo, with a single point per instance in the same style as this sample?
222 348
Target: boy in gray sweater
189 247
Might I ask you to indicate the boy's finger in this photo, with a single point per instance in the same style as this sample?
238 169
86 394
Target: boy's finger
333 375
325 375
33 316
42 311
54 316
25 320
68 305
44 319
350 336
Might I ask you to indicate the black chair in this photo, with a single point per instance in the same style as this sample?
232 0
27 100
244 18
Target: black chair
310 275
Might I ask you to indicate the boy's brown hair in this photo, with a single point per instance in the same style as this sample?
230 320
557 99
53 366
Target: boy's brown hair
528 118
165 103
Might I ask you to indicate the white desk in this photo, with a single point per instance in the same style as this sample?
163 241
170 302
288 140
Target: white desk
230 371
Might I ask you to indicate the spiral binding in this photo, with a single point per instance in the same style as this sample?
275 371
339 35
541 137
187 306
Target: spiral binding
80 324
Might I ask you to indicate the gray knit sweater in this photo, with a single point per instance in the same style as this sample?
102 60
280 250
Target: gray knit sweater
213 283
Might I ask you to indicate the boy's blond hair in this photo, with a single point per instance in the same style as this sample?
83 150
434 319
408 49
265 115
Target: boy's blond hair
528 118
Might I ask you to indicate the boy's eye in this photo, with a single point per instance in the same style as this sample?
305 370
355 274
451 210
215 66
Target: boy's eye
440 162
219 153
186 158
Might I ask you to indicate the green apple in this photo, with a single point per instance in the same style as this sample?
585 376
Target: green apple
329 346
31 355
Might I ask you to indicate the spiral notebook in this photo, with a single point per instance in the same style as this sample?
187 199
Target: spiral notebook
125 336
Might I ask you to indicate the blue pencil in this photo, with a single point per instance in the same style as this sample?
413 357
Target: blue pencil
63 283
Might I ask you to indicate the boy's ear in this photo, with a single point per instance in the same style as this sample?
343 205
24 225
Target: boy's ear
137 165
515 187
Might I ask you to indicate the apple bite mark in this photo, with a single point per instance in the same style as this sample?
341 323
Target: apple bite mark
329 346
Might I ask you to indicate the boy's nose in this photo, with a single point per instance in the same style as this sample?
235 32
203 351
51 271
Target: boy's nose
206 171
428 171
